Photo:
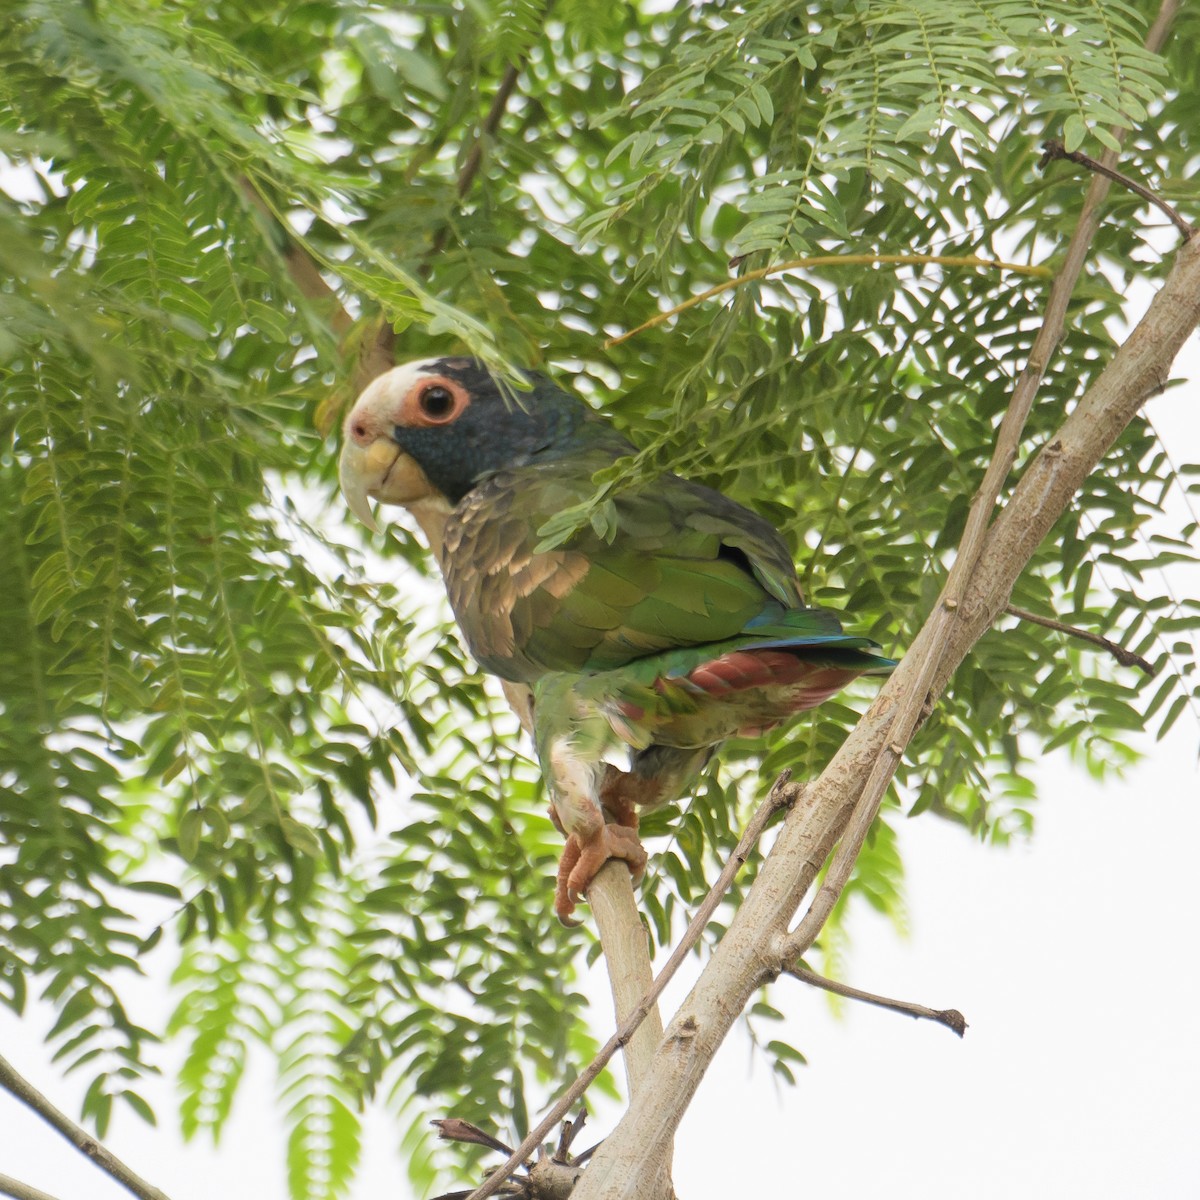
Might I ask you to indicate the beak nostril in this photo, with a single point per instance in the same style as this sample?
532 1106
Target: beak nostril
358 430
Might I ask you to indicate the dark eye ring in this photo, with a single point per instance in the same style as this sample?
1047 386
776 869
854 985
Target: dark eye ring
436 402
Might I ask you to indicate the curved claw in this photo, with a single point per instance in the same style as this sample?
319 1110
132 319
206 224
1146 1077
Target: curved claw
564 903
583 858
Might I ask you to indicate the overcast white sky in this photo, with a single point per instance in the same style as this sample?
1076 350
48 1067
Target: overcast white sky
1073 957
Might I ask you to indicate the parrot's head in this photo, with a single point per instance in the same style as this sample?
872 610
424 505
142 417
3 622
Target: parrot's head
427 432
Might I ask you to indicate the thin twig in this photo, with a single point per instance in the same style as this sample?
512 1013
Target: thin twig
375 356
1054 149
21 1191
306 274
950 1017
778 798
1126 658
567 1135
84 1142
455 1129
914 703
491 123
832 260
474 157
302 269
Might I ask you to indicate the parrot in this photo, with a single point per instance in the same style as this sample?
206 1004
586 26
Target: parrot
646 641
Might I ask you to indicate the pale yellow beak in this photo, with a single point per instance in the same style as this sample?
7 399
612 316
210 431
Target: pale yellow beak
363 473
382 472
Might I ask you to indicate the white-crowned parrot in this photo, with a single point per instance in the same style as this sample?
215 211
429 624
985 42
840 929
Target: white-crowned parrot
680 627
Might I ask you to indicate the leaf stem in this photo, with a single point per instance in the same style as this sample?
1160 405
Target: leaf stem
834 260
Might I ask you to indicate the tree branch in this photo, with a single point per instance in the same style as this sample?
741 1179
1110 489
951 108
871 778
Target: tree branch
914 695
1139 370
630 971
21 1191
1127 658
16 1085
950 1017
474 157
779 797
630 978
377 355
548 1177
488 129
454 1129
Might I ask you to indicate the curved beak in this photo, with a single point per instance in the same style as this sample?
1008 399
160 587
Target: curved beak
363 473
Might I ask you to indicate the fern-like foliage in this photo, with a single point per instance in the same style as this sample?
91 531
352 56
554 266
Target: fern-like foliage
871 90
224 725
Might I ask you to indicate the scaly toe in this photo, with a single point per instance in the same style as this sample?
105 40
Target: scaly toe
613 841
565 897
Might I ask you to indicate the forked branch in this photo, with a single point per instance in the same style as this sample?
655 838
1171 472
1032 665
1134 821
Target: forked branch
838 805
914 684
843 802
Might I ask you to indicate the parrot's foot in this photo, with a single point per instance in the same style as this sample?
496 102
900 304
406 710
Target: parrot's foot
582 859
618 797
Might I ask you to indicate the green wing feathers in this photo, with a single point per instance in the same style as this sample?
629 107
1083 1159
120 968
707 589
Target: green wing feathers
686 566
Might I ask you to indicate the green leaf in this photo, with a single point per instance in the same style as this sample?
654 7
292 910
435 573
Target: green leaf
1075 132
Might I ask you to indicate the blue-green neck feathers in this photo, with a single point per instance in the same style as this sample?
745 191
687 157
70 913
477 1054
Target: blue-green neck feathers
498 431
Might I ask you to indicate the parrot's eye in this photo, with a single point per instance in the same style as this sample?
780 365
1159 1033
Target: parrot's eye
436 402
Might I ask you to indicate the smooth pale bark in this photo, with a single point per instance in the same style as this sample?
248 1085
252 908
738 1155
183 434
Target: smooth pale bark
21 1191
626 952
627 955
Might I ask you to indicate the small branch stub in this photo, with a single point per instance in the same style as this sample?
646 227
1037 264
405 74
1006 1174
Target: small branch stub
548 1177
783 792
454 1129
950 1017
1127 658
1054 150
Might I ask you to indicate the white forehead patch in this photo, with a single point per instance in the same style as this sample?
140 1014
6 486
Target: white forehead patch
392 386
